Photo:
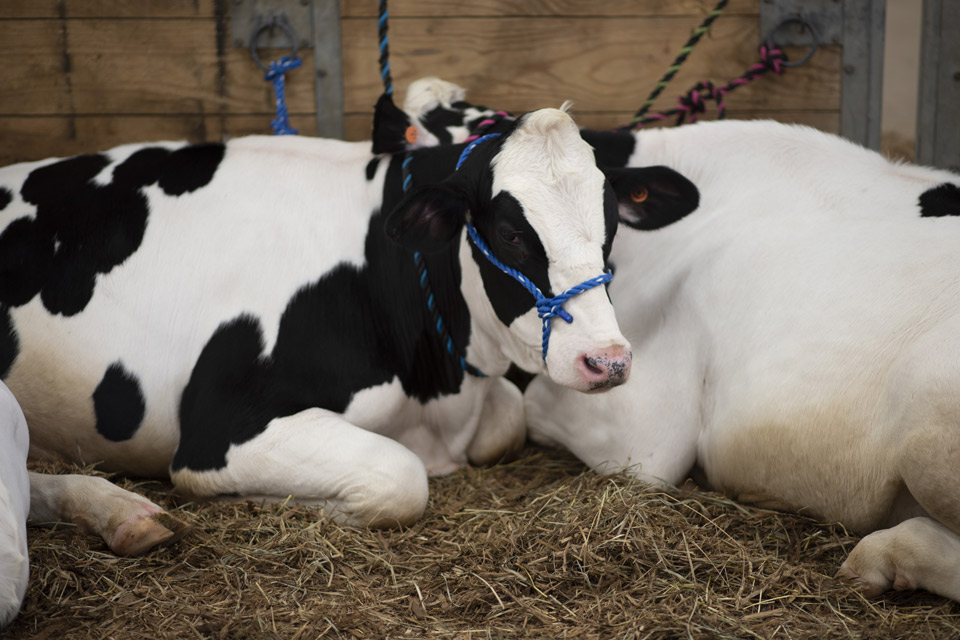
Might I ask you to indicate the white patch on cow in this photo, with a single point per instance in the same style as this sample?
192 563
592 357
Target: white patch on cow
14 507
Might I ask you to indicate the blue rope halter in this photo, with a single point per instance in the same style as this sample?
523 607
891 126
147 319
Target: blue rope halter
547 308
276 73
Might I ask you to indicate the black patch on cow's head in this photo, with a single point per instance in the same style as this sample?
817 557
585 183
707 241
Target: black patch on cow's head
6 197
118 404
9 342
82 228
939 201
440 120
509 235
652 197
610 148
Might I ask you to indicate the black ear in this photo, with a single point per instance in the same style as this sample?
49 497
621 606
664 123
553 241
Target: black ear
652 197
428 217
390 125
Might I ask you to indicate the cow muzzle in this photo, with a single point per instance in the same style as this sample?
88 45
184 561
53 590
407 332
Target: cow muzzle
604 369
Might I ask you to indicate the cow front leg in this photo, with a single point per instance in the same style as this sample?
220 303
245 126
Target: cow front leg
502 428
919 553
360 478
129 524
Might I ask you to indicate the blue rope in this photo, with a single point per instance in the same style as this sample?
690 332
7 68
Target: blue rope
445 339
547 308
384 48
472 146
281 125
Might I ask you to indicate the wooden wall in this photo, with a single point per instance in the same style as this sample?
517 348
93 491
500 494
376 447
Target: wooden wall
82 75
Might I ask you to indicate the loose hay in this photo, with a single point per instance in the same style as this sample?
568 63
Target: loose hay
539 548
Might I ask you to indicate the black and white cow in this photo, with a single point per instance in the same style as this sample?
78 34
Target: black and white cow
14 506
237 317
796 338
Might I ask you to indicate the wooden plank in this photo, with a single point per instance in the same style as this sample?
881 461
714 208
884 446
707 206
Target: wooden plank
56 9
612 69
135 66
35 77
501 8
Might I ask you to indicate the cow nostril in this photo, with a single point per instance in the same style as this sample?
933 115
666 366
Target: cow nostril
590 364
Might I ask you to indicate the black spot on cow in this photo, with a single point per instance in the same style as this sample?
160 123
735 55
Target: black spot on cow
82 228
9 342
6 197
118 404
939 201
351 329
440 119
371 170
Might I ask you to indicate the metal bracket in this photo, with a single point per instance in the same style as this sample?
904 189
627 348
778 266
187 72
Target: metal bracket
784 22
248 17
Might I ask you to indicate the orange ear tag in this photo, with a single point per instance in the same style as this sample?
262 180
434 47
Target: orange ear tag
410 134
639 195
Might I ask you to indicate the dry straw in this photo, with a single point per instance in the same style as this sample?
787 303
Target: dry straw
538 548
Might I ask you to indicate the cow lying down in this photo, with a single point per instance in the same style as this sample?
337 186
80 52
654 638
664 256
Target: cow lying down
796 337
236 317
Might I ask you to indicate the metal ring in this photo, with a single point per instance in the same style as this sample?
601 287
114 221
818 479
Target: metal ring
803 24
268 25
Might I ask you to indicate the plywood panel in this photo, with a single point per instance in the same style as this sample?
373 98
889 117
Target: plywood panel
522 64
501 8
47 9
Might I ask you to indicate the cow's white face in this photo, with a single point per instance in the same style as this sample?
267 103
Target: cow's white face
551 219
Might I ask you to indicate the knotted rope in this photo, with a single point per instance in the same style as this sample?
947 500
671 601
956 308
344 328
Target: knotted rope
547 308
276 74
694 101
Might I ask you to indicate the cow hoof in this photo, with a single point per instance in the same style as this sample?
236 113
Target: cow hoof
140 533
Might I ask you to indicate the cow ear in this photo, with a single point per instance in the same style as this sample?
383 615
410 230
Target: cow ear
652 197
391 127
428 218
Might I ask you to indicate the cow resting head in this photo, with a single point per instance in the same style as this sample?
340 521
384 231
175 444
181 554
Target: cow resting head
542 207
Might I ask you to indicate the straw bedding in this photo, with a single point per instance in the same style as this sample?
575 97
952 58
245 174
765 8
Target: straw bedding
538 548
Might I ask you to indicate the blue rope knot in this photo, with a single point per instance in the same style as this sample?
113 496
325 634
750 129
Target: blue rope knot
275 73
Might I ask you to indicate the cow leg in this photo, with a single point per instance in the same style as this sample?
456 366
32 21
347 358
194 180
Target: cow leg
502 428
129 524
919 553
359 477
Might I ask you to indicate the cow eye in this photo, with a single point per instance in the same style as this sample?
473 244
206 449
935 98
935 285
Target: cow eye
511 236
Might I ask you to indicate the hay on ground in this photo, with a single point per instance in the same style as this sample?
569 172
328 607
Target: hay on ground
538 548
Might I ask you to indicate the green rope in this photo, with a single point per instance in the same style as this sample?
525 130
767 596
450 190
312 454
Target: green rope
684 52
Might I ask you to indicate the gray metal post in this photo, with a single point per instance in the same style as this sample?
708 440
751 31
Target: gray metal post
329 68
938 108
862 84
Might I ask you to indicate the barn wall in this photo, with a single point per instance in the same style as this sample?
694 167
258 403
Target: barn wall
81 75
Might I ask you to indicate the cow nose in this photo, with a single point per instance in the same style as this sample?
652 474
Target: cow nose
605 368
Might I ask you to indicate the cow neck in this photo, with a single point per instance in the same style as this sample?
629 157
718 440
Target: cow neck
440 327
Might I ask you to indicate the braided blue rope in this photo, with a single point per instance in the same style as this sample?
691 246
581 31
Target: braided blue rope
547 308
445 338
275 73
384 48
